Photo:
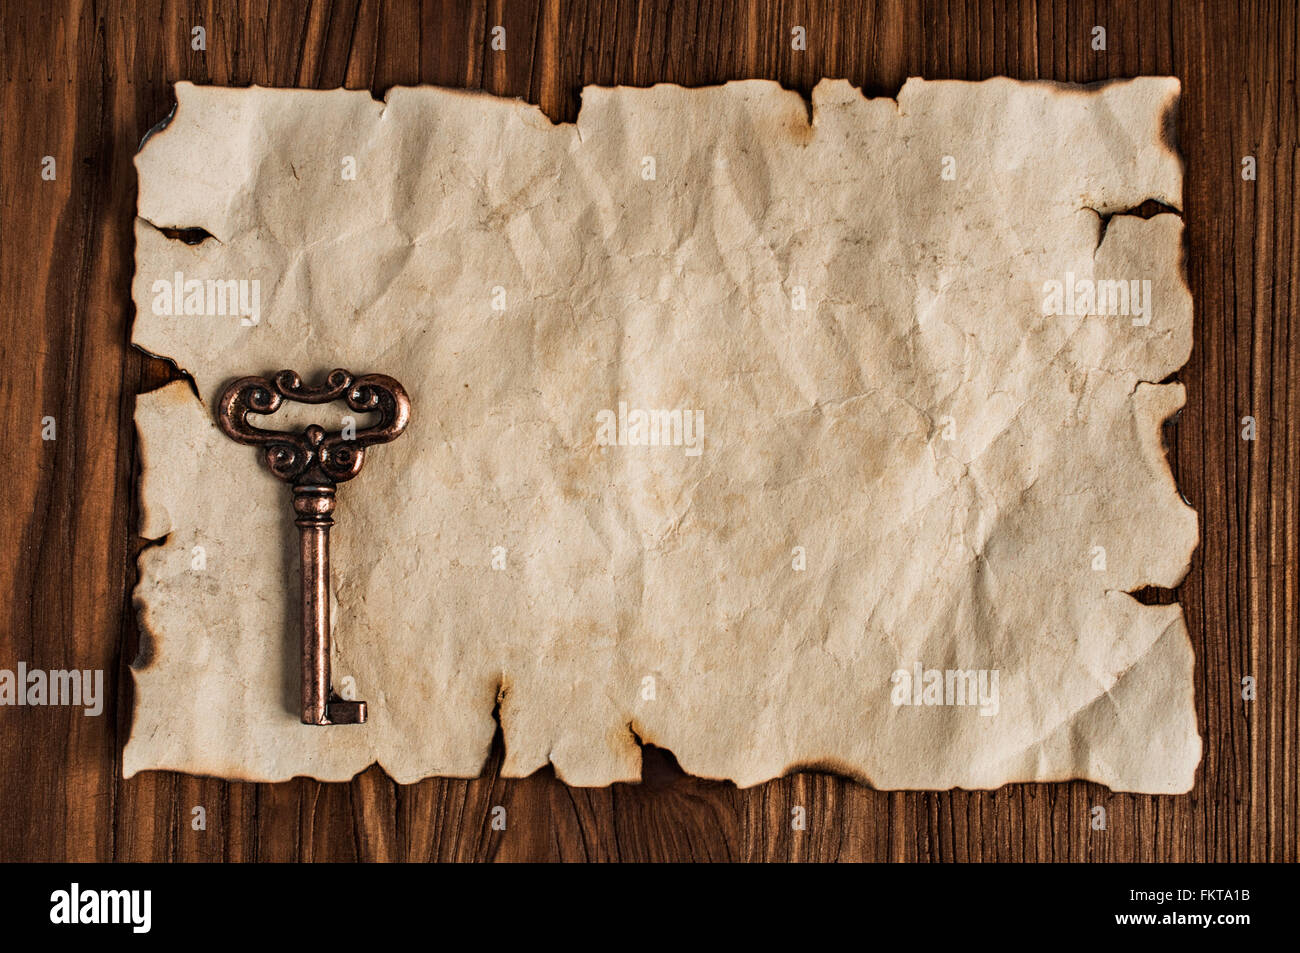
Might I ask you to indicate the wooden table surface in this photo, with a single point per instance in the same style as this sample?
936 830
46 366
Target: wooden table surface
83 82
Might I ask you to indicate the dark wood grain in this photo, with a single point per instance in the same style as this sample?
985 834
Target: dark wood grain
83 82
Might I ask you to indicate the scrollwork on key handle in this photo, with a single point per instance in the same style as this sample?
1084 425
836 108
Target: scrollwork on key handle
314 462
315 455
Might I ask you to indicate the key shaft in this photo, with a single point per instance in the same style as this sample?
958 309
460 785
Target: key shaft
314 507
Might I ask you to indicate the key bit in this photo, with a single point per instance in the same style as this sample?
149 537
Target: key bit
314 462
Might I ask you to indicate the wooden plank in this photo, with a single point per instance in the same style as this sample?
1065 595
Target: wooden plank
84 81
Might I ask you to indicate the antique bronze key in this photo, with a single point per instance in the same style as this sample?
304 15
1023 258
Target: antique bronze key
315 462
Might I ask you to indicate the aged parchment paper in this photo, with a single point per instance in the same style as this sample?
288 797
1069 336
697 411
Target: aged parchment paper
915 442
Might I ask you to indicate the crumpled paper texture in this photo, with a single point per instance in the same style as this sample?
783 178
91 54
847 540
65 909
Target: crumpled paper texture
945 459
